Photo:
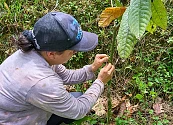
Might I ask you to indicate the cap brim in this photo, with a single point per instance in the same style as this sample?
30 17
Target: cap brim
88 42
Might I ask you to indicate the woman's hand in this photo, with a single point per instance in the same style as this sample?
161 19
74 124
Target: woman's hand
99 60
106 73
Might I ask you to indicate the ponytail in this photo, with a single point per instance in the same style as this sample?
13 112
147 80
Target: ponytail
25 41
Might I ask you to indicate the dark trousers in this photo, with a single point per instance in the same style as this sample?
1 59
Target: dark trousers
57 120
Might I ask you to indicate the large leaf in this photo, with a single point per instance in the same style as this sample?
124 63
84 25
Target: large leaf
139 16
159 14
109 14
126 40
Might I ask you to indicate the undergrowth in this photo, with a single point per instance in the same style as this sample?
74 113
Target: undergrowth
147 74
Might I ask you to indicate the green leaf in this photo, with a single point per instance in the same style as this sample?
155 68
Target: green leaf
139 97
151 112
126 40
159 123
150 84
79 122
118 4
159 13
139 16
151 27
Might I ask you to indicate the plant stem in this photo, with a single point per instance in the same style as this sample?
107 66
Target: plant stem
112 3
109 103
109 83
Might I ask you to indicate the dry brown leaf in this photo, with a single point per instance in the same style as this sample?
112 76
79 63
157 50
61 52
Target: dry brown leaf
158 108
119 106
109 14
124 105
124 98
10 51
122 109
130 95
128 103
115 102
99 107
130 109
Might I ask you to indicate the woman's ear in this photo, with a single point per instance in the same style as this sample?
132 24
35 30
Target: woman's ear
51 55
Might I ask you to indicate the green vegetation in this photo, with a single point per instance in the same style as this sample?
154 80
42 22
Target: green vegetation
147 74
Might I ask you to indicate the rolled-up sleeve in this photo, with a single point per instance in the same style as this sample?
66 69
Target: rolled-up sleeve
50 95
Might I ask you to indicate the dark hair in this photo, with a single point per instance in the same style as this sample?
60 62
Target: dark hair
25 41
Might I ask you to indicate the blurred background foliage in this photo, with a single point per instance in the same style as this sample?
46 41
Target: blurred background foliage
146 74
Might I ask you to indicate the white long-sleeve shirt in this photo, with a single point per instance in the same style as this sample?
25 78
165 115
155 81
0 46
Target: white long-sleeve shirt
31 90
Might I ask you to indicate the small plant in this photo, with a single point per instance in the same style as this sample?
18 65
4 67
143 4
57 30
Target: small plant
138 17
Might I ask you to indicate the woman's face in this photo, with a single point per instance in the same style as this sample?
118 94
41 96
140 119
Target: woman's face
56 58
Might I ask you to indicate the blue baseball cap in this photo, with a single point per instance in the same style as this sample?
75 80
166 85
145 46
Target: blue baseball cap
58 31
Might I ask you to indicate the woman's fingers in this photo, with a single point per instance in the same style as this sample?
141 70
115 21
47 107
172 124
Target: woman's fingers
105 59
101 56
106 73
111 70
108 66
